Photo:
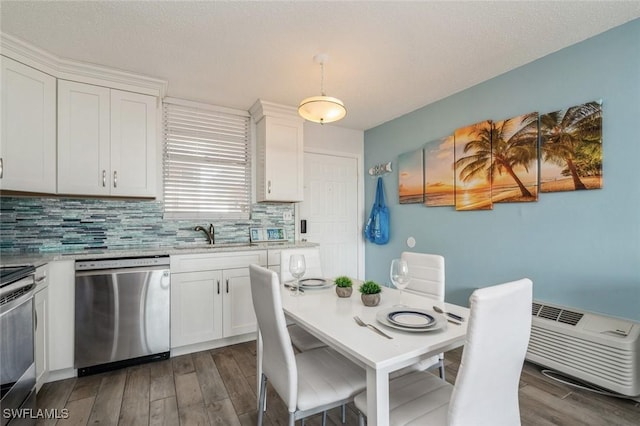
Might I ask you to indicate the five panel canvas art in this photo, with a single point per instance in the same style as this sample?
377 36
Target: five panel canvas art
506 161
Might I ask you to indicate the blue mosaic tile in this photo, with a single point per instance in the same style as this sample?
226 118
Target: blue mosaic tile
55 224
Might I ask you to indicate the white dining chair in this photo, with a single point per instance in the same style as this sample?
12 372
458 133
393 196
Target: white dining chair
427 278
486 388
308 382
300 338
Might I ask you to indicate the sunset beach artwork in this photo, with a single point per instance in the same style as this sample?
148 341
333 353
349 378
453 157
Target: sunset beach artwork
439 188
472 151
571 148
411 177
514 159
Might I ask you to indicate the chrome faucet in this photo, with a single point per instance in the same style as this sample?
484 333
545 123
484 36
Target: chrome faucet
210 236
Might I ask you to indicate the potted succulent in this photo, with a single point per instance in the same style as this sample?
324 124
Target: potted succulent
344 286
370 293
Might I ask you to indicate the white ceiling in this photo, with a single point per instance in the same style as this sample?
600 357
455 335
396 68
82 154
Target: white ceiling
385 58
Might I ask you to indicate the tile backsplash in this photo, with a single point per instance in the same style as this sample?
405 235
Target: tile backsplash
30 224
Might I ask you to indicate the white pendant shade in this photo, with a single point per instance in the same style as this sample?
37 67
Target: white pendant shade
322 109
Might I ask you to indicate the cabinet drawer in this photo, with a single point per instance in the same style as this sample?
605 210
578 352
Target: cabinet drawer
212 261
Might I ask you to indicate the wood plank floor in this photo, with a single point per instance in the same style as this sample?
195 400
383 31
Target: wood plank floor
218 387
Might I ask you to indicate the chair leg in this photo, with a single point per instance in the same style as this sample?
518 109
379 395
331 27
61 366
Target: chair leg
324 418
360 419
261 401
441 368
343 413
292 419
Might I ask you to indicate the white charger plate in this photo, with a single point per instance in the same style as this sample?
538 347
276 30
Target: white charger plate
411 318
382 318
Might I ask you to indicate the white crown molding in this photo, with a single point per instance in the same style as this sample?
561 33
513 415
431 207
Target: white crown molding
68 69
270 109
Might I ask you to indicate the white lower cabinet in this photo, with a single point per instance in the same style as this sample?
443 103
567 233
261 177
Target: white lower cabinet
42 327
238 314
60 318
196 307
211 296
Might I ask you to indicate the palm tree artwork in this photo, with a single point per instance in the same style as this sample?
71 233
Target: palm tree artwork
571 145
514 161
439 180
472 153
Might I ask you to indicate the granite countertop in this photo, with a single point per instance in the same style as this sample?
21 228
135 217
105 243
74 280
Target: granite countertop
41 258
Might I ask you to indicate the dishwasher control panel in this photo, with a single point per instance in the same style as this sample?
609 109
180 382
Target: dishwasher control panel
127 262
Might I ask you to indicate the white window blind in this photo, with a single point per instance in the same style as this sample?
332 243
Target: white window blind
207 162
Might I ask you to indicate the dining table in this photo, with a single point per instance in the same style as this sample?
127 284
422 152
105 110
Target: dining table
331 319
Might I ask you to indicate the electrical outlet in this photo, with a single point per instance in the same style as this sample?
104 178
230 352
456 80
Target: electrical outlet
287 216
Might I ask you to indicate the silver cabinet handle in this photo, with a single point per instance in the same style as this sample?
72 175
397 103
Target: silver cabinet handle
104 178
1 167
115 179
227 285
269 187
36 319
218 286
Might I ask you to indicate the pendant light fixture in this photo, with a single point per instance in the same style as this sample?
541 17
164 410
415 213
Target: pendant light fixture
322 109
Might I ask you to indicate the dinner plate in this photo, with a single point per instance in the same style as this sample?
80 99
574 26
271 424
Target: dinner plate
312 285
382 316
313 282
411 318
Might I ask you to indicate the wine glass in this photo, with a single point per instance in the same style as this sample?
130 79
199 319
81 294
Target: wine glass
399 275
297 267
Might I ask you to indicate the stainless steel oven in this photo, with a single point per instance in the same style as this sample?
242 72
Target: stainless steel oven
17 366
121 312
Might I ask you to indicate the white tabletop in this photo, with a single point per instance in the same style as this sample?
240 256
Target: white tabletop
330 318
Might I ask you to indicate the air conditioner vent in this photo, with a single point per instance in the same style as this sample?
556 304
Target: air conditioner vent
596 348
570 317
552 313
549 312
535 308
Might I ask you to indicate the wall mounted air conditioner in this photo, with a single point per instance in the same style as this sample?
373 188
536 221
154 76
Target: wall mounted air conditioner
595 348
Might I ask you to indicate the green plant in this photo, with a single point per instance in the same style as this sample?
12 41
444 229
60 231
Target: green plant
370 287
343 281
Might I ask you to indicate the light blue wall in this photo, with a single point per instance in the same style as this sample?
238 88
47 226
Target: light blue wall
581 249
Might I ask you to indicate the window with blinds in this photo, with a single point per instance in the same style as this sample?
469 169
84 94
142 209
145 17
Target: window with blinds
207 161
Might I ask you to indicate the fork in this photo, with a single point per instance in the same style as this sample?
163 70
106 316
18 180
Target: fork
372 327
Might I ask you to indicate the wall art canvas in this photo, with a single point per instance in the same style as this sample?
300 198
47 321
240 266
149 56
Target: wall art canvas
514 159
571 148
411 177
472 150
439 186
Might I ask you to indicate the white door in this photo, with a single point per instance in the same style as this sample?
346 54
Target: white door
330 208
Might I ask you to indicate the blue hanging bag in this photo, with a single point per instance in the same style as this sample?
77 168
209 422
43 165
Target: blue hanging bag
377 229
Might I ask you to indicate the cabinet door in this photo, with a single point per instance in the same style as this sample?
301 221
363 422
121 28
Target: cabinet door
41 336
28 136
239 316
196 307
61 314
280 152
83 139
133 144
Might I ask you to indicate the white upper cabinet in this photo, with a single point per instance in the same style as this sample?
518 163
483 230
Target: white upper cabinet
280 148
28 135
133 144
106 141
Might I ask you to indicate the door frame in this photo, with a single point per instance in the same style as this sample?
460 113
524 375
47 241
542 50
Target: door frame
360 202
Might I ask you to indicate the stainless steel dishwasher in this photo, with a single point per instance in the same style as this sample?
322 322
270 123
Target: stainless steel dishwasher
122 309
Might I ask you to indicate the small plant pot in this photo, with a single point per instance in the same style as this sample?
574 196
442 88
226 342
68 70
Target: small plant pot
370 299
344 291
